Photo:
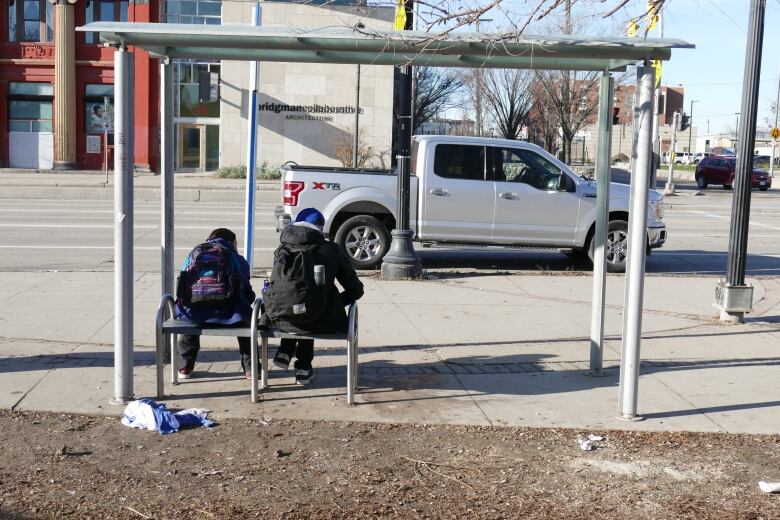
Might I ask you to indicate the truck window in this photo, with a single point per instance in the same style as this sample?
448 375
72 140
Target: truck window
458 161
517 165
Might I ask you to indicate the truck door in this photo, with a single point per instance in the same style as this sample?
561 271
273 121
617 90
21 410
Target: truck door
458 200
536 203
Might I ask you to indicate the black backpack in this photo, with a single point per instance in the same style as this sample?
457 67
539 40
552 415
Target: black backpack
293 296
208 281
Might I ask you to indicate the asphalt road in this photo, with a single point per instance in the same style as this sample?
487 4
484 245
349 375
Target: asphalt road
78 236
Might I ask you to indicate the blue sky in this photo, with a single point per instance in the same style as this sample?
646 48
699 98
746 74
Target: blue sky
712 73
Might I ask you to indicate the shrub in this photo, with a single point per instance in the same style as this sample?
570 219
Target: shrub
238 171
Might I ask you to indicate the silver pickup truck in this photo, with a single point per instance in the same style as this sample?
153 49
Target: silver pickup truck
467 191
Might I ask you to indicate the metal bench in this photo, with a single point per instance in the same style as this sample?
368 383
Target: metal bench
167 329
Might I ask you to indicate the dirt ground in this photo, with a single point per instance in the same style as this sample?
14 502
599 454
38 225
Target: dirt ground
69 466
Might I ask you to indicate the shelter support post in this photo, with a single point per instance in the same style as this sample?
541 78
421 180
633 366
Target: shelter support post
733 295
123 226
166 176
251 154
642 159
603 168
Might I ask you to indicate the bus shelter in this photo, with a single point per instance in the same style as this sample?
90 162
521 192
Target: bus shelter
358 45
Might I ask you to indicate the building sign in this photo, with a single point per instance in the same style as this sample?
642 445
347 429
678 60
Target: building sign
37 51
314 112
93 144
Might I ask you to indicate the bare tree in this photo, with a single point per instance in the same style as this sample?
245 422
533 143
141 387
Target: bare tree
571 98
435 92
342 145
473 93
509 99
515 17
543 125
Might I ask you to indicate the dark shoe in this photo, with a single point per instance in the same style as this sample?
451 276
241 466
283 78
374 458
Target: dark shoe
185 373
303 376
282 360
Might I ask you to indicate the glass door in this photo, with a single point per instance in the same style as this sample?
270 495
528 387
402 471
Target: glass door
192 148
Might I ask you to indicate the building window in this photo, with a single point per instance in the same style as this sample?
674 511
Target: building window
30 107
208 12
197 89
30 21
99 106
104 11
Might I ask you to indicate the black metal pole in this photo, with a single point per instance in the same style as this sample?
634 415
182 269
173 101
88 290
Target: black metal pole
404 147
733 296
740 208
401 261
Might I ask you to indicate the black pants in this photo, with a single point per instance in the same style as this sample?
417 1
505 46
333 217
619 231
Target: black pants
301 349
189 346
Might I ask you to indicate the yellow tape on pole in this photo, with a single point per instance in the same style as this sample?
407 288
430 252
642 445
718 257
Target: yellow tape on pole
400 15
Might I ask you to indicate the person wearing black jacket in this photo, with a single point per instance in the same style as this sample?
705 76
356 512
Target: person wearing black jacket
307 231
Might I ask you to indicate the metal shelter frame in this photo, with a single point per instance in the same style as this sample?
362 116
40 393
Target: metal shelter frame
357 45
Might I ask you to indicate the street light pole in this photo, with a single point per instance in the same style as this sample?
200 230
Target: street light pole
690 132
401 261
733 296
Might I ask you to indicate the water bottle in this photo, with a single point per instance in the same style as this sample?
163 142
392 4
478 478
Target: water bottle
319 275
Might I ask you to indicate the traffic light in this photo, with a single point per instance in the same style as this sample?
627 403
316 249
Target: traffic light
615 115
685 123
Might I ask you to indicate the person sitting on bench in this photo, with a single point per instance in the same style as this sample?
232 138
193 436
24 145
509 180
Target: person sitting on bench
213 288
305 259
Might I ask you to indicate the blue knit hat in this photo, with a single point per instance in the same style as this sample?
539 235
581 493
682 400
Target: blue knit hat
312 216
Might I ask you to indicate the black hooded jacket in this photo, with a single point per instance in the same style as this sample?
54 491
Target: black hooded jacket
337 267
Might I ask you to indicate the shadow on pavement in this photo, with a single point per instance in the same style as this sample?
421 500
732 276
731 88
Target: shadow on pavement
661 261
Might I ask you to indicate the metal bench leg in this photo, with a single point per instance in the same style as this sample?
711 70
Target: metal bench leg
264 361
174 360
159 361
350 372
352 355
355 353
254 368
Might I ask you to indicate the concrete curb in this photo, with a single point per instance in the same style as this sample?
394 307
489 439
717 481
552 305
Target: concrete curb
266 192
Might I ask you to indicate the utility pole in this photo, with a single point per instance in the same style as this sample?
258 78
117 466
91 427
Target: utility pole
401 261
690 132
774 139
669 190
568 154
657 117
733 296
356 140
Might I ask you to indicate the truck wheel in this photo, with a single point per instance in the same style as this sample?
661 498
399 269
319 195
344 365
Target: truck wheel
617 246
365 239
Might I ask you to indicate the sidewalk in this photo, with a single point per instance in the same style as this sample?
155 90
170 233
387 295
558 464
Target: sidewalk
93 186
483 348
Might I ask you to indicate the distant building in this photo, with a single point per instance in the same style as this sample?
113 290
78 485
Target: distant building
442 126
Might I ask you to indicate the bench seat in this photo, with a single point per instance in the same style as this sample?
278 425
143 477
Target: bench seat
168 328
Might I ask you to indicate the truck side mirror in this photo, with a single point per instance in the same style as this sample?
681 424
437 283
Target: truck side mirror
566 184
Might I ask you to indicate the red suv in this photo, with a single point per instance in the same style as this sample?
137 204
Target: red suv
719 169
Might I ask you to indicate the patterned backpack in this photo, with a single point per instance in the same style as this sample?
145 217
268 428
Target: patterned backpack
208 280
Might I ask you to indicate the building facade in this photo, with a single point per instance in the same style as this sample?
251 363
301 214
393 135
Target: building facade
307 112
56 89
56 85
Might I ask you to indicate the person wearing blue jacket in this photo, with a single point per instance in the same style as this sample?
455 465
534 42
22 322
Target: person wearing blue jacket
236 312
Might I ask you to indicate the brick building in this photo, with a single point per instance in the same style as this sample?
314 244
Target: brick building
56 85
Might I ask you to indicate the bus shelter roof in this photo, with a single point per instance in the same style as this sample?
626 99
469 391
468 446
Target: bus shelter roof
359 45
